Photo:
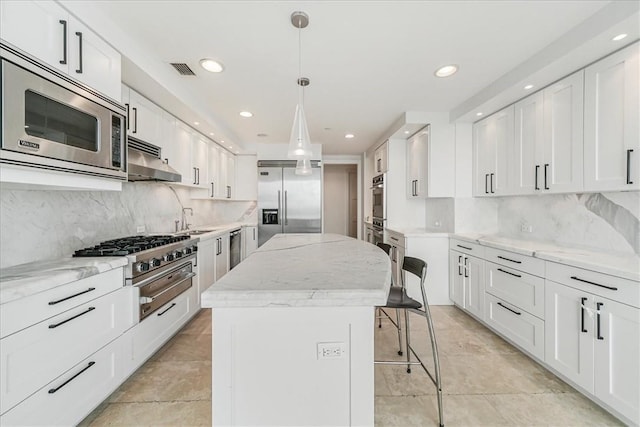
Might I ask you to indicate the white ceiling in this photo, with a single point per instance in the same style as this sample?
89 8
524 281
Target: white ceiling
368 61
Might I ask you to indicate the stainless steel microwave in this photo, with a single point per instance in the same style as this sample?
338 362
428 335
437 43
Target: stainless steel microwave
49 121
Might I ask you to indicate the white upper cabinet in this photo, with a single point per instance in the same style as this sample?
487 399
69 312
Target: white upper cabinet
144 118
231 176
417 161
528 144
46 31
199 160
181 152
611 136
246 183
431 162
381 158
563 139
492 153
215 188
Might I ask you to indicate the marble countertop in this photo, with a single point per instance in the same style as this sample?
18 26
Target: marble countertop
418 232
306 270
28 279
626 266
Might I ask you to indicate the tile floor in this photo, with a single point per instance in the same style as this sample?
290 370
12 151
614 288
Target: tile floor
486 382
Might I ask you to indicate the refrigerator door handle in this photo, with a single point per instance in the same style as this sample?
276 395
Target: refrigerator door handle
279 209
286 219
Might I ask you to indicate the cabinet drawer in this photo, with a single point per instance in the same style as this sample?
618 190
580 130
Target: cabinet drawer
394 238
467 247
615 288
35 356
77 392
519 289
517 325
154 330
524 263
22 313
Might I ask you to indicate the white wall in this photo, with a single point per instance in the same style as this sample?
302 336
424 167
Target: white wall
336 198
40 225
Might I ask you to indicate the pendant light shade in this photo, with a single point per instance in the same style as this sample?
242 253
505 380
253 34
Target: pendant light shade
303 167
299 143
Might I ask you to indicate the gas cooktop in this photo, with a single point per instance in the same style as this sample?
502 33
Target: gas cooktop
128 245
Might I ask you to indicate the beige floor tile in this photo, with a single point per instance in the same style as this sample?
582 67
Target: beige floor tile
196 413
405 411
167 381
200 324
186 347
573 409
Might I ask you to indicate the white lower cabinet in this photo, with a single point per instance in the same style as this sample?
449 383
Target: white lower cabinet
467 276
206 266
222 255
522 328
249 240
594 342
73 395
524 290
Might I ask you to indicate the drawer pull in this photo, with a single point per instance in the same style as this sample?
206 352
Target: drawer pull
582 301
55 325
508 272
172 305
464 247
53 390
459 265
611 288
598 305
72 296
393 238
510 260
507 308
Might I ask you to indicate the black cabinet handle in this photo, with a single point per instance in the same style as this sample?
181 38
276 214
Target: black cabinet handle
379 165
611 288
486 186
128 119
507 308
629 166
491 182
228 191
466 267
464 247
170 307
510 260
459 265
598 305
55 325
79 34
508 272
135 120
537 169
64 41
212 189
198 174
194 176
72 296
53 390
546 169
582 301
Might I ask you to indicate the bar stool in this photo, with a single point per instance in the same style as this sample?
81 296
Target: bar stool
399 300
380 311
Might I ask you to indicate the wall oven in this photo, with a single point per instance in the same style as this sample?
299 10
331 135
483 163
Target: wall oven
52 122
378 201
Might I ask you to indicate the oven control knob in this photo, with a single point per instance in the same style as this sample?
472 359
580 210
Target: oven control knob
142 266
194 248
155 262
178 254
186 251
169 257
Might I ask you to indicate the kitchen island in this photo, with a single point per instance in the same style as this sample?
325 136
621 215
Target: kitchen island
293 332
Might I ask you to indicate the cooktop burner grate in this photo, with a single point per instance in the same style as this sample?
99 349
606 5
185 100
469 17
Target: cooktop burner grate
128 245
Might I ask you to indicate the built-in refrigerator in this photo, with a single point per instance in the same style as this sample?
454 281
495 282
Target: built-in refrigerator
288 203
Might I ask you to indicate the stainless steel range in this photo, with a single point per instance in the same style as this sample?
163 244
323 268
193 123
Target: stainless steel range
161 266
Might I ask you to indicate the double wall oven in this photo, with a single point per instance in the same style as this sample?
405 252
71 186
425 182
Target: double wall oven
379 204
161 267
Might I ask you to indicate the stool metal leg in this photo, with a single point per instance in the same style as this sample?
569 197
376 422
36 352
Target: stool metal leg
407 339
436 361
399 332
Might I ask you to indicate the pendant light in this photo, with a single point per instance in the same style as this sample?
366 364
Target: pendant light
300 142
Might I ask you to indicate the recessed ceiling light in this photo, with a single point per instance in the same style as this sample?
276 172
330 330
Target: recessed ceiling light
478 114
527 87
211 133
349 135
619 37
211 65
231 146
196 123
222 141
246 113
446 71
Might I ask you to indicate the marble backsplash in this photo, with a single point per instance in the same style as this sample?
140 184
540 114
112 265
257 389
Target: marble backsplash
41 225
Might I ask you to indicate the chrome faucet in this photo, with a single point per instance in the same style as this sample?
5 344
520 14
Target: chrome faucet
185 225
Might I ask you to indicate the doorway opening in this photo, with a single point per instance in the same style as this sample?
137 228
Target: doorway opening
340 211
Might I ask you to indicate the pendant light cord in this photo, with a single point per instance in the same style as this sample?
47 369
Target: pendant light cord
301 92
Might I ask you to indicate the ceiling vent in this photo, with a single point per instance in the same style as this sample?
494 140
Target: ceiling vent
183 69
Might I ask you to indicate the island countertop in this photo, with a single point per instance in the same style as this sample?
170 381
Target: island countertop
306 270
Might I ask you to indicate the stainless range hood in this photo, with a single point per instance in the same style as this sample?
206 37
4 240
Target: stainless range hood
145 163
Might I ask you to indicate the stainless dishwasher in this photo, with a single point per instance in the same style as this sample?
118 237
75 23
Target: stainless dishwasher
235 248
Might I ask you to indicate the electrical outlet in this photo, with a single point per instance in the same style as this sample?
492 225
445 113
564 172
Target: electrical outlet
330 350
526 228
140 229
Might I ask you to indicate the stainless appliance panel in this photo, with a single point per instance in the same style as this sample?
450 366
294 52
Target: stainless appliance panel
235 248
302 201
44 119
156 293
269 203
378 201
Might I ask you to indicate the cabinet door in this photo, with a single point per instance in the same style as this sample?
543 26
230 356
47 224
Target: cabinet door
93 61
222 256
569 333
474 285
563 139
501 182
246 182
611 137
418 161
222 173
206 266
199 160
145 119
182 142
528 145
215 189
250 240
617 356
412 166
231 175
36 28
483 155
456 277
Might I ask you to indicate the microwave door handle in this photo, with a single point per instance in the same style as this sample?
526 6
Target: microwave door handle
79 34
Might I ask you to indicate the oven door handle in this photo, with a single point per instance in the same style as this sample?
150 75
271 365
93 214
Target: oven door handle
147 300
